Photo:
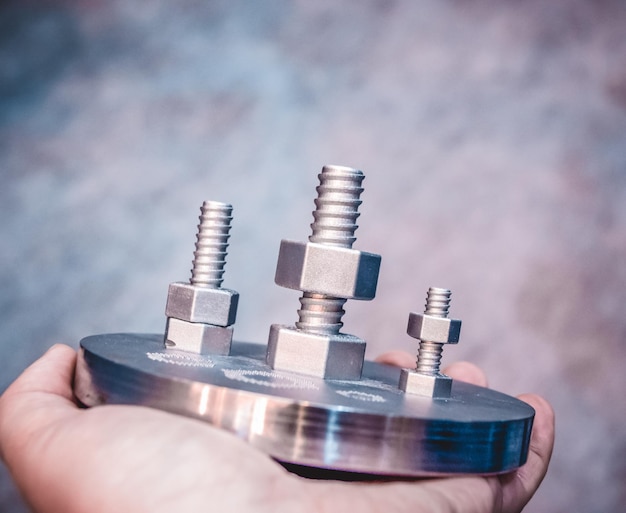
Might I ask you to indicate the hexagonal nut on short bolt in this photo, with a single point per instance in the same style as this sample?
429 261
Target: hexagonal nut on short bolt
328 356
438 386
323 269
197 337
434 329
201 304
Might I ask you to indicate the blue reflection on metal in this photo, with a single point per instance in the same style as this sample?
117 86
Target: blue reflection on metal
331 441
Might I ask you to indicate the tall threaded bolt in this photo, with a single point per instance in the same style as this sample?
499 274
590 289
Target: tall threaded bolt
433 329
328 272
334 224
211 245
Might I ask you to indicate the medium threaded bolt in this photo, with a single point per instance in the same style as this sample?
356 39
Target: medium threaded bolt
334 224
211 245
200 313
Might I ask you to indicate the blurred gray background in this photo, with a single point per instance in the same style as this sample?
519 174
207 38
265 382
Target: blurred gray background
492 135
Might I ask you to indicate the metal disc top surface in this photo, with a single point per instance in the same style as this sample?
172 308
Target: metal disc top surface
368 426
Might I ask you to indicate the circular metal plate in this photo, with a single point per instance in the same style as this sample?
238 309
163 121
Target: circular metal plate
367 426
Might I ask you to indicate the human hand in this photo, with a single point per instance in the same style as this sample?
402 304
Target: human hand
130 458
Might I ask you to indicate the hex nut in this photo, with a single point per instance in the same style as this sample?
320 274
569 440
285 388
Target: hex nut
434 329
201 304
336 356
330 270
196 337
436 386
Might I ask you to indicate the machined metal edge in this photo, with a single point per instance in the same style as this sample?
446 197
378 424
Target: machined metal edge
367 427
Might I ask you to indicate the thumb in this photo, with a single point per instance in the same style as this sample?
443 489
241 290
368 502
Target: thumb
40 396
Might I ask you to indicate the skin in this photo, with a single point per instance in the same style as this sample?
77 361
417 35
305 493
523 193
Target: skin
130 458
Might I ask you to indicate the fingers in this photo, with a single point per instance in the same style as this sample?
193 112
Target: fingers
51 374
42 394
519 486
463 371
472 494
398 359
464 494
466 371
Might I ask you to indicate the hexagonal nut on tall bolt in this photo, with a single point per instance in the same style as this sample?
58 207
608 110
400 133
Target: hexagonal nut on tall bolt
325 355
328 272
200 313
433 328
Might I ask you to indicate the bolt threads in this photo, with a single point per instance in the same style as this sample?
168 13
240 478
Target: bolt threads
336 211
337 206
211 245
320 314
429 357
429 353
437 302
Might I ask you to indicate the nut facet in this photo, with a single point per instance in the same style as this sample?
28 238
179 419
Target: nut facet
330 270
436 386
202 304
434 329
196 337
328 356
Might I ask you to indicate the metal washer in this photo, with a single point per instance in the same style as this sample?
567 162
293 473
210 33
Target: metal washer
367 426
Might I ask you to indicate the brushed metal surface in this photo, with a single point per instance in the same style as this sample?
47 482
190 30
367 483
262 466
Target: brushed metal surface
368 426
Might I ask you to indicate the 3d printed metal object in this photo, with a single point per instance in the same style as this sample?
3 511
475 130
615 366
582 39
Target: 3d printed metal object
308 398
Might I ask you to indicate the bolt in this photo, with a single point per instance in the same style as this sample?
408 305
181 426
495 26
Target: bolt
429 353
334 224
337 206
433 329
211 245
201 313
328 272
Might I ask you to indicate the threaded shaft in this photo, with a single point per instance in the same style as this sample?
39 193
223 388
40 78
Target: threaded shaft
334 224
429 357
429 353
337 206
437 302
320 314
211 245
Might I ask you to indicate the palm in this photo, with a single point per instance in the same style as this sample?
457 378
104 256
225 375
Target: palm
127 458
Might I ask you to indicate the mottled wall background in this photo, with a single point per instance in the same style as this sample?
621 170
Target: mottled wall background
492 135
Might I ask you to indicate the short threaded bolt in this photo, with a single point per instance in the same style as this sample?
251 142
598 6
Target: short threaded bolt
429 353
433 329
334 224
211 245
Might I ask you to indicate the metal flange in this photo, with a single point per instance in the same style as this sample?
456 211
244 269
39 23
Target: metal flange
368 426
308 398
